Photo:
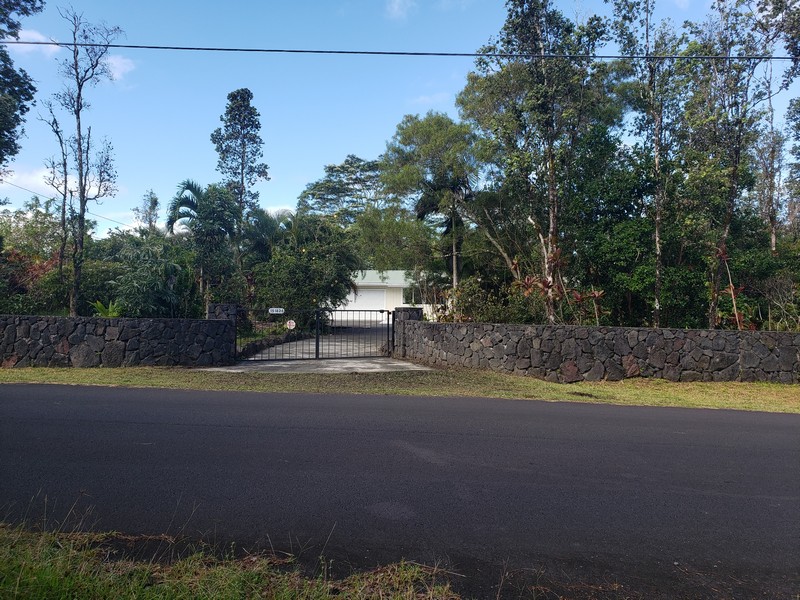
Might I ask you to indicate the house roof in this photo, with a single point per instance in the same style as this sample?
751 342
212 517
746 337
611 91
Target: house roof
382 279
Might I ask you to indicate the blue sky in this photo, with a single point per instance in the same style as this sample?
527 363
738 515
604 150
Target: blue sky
163 106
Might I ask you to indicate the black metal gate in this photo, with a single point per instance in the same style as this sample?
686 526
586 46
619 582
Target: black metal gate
286 334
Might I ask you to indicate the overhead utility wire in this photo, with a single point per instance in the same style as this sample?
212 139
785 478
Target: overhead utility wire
87 210
399 53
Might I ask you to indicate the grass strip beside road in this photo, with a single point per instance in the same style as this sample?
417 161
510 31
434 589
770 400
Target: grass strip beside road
444 383
87 566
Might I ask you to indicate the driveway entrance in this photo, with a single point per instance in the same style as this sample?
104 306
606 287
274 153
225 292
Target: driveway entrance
286 334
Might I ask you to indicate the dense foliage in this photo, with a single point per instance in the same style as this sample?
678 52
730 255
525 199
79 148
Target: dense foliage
313 267
638 191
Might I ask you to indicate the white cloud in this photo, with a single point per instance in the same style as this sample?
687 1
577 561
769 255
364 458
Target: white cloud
27 182
433 99
682 4
32 180
31 35
274 209
399 9
119 66
19 184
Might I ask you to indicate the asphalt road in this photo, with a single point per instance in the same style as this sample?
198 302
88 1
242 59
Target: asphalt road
665 497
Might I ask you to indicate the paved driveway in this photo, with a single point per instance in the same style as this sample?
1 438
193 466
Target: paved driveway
331 365
344 342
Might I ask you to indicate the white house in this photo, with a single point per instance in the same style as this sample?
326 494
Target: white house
378 290
384 290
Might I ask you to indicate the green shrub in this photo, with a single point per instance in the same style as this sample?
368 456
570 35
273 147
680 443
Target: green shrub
474 302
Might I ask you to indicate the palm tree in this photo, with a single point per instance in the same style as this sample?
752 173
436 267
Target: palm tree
433 158
211 216
261 233
440 203
211 210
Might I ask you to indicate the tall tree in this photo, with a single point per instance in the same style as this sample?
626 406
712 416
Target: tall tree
355 196
147 212
782 17
390 237
432 159
656 99
769 167
16 86
211 215
239 145
57 177
722 110
793 181
94 172
534 103
346 190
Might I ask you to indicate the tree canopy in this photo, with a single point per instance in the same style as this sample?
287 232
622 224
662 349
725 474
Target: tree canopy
16 87
660 188
239 146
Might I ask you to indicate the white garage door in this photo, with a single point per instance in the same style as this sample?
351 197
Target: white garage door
367 299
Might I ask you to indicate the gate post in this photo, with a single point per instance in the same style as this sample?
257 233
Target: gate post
389 332
222 311
316 332
401 315
226 312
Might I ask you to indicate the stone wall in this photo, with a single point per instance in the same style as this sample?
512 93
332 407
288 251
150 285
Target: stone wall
568 354
401 315
99 342
223 311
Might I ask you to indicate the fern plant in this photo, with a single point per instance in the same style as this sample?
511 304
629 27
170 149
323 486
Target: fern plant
112 310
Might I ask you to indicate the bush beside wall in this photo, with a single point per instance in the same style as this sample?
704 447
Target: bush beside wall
567 354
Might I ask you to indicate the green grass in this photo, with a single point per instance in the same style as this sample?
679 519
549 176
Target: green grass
446 383
89 566
111 566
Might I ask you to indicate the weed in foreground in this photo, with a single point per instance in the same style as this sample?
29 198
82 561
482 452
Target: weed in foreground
82 566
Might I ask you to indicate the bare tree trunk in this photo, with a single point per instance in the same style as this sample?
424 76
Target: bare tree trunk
86 66
455 260
549 246
771 195
659 216
454 233
773 237
77 280
772 174
550 257
77 259
58 178
774 168
62 246
659 192
716 278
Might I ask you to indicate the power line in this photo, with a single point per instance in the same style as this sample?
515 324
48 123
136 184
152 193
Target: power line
37 194
403 53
